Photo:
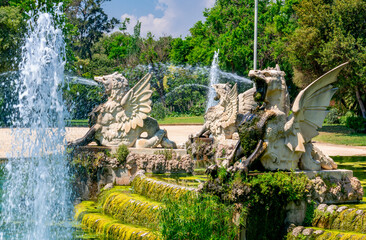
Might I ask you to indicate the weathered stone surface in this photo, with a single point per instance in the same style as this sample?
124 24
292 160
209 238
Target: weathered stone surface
334 190
295 213
288 138
157 163
341 209
331 208
318 232
307 231
124 117
297 230
322 207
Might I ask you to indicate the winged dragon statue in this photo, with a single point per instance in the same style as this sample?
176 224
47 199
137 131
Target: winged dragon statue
124 117
221 121
286 140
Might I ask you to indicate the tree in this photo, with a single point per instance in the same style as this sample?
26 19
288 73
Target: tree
91 22
331 32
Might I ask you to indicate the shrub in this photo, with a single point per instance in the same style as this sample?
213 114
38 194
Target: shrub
158 111
354 122
197 217
332 116
122 153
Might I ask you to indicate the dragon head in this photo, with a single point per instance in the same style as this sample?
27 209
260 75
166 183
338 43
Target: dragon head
271 86
114 82
221 90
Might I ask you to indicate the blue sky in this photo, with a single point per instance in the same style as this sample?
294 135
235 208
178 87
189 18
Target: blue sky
161 17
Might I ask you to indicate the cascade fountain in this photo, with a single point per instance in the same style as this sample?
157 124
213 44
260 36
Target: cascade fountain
36 195
215 74
214 79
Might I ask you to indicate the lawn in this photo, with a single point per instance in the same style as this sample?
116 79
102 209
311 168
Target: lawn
168 120
182 120
339 134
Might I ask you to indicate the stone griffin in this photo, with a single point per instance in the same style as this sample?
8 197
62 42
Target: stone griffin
221 121
286 140
124 117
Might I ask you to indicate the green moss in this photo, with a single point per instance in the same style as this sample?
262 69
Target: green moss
132 209
112 228
122 153
156 190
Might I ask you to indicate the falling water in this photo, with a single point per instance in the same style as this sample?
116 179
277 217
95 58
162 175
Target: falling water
36 199
76 79
214 79
215 74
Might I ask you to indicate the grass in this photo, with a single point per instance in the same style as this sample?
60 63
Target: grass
168 120
340 134
182 120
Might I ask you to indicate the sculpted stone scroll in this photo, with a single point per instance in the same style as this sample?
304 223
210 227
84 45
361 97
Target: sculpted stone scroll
124 117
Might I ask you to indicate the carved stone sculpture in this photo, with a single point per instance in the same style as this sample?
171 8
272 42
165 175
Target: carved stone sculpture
124 117
286 142
221 120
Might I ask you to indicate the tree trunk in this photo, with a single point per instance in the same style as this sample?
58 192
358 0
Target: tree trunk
360 102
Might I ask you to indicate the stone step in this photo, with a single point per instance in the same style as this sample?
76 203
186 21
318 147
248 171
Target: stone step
340 218
157 190
91 217
322 234
132 209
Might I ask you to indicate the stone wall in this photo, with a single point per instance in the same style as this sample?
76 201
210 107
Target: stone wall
93 169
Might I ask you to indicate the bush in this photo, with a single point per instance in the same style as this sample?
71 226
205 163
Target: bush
122 153
354 122
158 111
332 117
197 217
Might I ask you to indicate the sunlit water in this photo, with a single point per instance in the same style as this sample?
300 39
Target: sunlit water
214 79
36 199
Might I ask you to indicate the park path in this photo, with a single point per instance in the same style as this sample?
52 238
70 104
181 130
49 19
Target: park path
179 134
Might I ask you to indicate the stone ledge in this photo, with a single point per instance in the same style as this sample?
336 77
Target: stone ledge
93 148
338 173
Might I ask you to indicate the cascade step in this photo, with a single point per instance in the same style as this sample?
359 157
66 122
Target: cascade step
157 190
132 209
112 228
340 218
301 233
91 217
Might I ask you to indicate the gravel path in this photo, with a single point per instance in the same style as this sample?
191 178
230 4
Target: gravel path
180 134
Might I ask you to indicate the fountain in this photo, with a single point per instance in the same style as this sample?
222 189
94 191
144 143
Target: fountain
37 198
215 74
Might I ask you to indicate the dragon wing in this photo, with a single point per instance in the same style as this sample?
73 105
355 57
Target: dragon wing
310 106
246 101
231 109
136 105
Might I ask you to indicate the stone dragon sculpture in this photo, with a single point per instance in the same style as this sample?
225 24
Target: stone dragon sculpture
124 117
221 121
286 142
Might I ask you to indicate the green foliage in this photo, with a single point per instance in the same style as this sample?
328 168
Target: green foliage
264 197
332 116
12 28
122 153
197 217
81 99
329 33
354 122
249 136
167 153
91 22
158 111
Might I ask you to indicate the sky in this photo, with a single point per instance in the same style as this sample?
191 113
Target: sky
160 17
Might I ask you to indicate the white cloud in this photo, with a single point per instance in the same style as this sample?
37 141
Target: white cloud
178 17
